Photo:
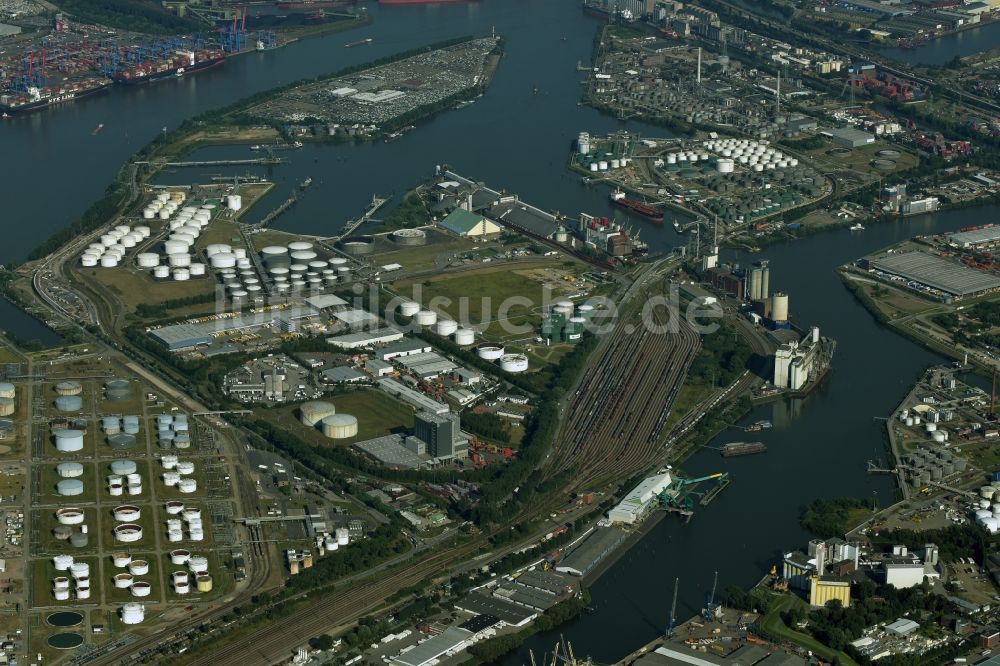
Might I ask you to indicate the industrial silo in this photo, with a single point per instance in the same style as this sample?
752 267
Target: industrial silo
7 390
340 426
311 413
779 307
7 406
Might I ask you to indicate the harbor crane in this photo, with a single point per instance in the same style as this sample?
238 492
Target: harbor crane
712 610
681 493
673 610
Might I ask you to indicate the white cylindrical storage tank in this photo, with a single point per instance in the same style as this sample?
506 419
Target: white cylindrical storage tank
409 308
425 318
126 513
69 487
132 614
198 564
465 336
128 533
184 467
109 261
147 259
725 165
161 272
234 202
169 461
69 470
197 269
179 260
121 560
83 593
223 260
490 352
61 595
60 583
180 556
196 533
138 567
89 260
62 562
79 569
340 426
514 363
191 513
181 274
175 246
296 246
69 441
70 515
171 478
445 327
930 427
141 588
303 256
123 580
174 536
938 437
272 251
187 486
989 523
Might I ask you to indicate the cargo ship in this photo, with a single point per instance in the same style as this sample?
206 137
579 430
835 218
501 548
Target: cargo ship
316 4
418 2
734 449
36 99
619 199
182 63
360 42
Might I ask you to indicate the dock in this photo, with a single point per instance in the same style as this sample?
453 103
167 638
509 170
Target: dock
262 161
268 219
373 207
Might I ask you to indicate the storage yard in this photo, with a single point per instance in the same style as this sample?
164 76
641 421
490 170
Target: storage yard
381 96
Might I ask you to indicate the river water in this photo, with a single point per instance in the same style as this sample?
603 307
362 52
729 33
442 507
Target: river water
516 139
943 50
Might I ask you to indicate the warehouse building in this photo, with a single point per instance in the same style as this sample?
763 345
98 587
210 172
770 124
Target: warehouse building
415 398
378 336
449 642
591 551
848 137
176 337
925 270
404 348
641 499
974 237
469 225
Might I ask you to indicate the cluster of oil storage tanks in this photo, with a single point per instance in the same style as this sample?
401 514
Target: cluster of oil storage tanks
177 474
124 479
181 518
925 465
323 415
173 431
131 568
178 262
197 572
754 155
987 509
70 573
109 252
326 543
297 267
71 526
566 321
443 326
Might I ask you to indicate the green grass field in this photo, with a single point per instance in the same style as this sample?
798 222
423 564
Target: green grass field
773 625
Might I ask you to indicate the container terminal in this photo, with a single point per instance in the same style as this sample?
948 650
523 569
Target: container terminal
75 60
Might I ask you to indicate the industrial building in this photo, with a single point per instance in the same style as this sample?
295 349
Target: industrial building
449 642
794 362
442 435
426 365
823 589
640 500
975 237
415 398
591 551
404 348
848 137
748 655
378 336
391 451
469 225
925 270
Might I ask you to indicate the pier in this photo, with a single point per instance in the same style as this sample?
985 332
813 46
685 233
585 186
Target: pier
268 219
373 207
262 161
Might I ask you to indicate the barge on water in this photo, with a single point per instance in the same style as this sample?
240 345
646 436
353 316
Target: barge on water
734 449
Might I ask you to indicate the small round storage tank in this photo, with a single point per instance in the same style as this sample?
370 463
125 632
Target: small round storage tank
69 487
132 614
340 426
223 260
147 259
204 583
490 352
70 515
161 272
69 470
311 413
445 327
303 255
7 406
514 362
425 318
409 308
123 467
465 336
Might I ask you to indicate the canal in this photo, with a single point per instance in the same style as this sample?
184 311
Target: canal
944 49
518 139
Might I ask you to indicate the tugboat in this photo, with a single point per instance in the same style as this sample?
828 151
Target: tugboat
857 227
619 199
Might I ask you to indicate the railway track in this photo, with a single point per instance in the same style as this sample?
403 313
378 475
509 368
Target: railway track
616 417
